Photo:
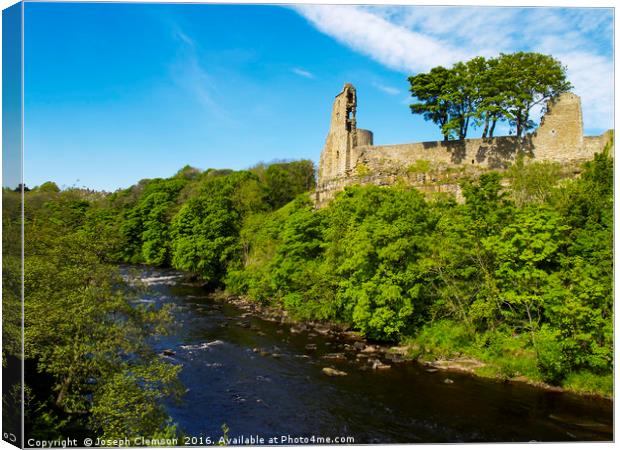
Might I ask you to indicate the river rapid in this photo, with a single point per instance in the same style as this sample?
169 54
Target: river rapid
264 380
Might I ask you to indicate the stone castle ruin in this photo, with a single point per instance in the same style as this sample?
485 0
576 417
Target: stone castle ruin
349 156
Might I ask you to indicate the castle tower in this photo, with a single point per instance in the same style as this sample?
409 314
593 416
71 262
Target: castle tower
344 136
336 155
560 134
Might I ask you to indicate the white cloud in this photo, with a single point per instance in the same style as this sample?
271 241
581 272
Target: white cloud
414 39
302 72
390 44
593 80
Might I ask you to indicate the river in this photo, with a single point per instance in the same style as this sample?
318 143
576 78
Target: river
261 379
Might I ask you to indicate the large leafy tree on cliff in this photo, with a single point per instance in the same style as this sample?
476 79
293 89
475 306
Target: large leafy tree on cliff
464 94
483 92
429 89
451 97
527 80
490 108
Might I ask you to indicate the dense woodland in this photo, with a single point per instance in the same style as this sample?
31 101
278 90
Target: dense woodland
520 277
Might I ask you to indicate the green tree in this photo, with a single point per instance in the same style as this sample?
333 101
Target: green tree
429 89
463 92
377 239
483 92
205 231
533 182
528 79
490 109
145 223
81 331
48 186
283 181
525 254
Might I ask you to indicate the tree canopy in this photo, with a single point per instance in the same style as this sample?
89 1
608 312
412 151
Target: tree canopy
482 92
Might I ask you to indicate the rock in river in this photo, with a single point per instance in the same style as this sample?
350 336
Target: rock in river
378 365
333 372
359 345
335 356
369 349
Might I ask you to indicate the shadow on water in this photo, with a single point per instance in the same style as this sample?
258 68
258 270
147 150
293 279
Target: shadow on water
262 378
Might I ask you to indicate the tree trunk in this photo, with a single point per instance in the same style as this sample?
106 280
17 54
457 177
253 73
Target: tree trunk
526 118
486 127
492 130
63 392
465 128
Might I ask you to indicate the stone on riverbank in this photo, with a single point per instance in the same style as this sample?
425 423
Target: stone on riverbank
467 365
353 335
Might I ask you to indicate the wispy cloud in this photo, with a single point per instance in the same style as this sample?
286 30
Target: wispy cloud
302 72
387 89
179 35
189 75
415 39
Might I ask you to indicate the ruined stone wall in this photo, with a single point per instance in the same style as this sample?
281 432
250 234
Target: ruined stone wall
492 153
432 166
560 134
594 144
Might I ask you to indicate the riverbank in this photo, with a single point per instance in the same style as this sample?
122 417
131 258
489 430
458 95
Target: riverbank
378 356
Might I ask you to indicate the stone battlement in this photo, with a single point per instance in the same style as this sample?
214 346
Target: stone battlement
349 156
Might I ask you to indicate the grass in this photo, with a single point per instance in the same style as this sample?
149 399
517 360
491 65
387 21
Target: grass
420 166
506 356
585 382
362 170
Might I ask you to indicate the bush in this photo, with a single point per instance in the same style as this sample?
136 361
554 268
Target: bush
443 339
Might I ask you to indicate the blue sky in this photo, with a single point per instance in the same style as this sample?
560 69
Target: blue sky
11 97
119 92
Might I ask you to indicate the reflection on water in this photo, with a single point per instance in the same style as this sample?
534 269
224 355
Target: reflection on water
260 378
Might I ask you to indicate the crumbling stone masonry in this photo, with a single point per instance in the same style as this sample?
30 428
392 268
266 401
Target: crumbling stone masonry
349 156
